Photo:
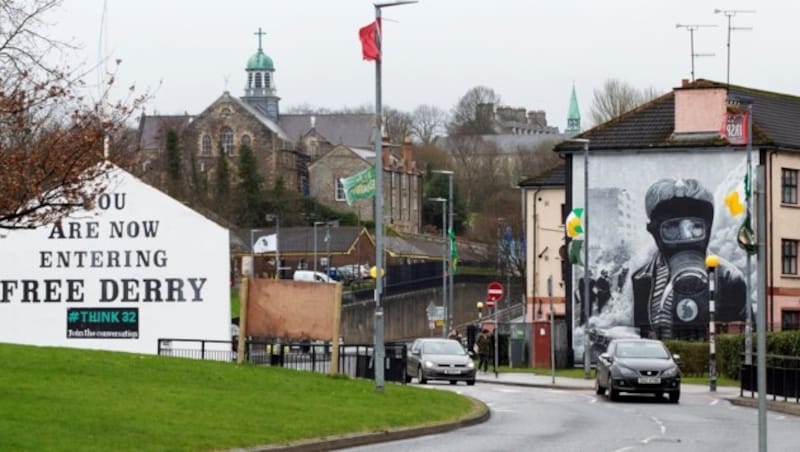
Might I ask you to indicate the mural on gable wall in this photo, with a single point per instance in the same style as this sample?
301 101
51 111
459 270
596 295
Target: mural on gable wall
653 219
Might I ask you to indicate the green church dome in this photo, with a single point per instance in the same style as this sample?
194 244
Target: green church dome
260 62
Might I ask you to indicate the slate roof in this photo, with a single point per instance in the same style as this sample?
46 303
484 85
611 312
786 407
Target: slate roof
354 130
153 129
554 177
429 247
300 240
263 118
775 119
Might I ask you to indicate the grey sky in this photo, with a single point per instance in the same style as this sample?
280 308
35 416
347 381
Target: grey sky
528 51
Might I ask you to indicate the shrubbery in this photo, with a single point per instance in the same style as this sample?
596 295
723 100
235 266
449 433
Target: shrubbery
730 351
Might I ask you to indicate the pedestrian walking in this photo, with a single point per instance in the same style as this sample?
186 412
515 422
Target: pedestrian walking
484 344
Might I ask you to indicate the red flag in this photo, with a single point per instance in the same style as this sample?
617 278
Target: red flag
369 44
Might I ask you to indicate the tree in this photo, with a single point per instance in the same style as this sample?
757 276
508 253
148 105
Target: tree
615 98
222 186
52 153
397 124
250 190
473 114
174 166
428 122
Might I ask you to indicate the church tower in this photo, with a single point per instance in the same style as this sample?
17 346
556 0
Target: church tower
260 89
574 114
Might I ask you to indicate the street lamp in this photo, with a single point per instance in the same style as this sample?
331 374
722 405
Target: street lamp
316 223
380 352
444 254
712 262
479 306
586 304
277 219
448 306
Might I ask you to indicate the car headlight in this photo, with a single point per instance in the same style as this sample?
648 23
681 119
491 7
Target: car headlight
429 364
626 372
470 364
671 372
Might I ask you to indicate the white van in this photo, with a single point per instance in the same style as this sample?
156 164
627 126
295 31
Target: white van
311 275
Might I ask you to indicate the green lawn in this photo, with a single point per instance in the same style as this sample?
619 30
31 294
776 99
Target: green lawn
69 399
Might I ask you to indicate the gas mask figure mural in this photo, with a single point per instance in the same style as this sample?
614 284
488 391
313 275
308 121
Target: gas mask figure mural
670 292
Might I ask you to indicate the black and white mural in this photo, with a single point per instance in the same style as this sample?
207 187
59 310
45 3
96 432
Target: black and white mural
653 219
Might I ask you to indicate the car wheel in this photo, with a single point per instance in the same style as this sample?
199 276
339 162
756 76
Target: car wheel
613 394
470 382
599 390
420 377
407 377
674 396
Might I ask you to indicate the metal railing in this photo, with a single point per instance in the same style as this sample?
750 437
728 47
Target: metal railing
783 378
355 360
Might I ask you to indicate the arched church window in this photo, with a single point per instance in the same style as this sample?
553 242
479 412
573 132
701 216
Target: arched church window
206 146
246 140
258 80
226 141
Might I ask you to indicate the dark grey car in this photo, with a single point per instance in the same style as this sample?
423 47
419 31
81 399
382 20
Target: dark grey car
439 359
638 366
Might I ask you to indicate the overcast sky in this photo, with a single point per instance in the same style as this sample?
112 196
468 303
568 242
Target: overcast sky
529 51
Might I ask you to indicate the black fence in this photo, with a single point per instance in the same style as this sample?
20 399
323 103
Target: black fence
354 360
783 378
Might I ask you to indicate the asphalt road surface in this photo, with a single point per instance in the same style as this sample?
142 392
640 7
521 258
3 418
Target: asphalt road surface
540 419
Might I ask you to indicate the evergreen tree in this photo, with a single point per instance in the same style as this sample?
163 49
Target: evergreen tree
173 163
222 187
250 190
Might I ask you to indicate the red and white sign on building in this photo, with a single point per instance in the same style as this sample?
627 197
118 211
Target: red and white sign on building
493 293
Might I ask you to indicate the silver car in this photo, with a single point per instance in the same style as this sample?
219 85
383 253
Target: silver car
439 359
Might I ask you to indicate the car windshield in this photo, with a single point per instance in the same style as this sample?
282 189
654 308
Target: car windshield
641 350
442 348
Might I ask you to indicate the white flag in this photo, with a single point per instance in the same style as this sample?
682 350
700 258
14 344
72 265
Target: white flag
266 244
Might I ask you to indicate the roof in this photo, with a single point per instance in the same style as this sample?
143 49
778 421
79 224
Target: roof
554 177
262 117
153 129
260 62
574 111
651 125
354 130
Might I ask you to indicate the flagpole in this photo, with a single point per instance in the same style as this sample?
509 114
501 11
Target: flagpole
748 324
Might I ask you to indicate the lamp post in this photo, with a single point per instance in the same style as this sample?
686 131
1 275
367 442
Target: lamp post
585 302
277 218
316 223
444 254
448 314
379 252
712 262
479 306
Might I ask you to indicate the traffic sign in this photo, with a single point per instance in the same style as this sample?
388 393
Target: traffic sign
493 293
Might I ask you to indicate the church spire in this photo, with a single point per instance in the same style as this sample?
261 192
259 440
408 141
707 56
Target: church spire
574 114
260 91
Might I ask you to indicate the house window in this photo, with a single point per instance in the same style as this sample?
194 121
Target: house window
206 145
246 140
790 320
226 141
789 255
340 190
789 185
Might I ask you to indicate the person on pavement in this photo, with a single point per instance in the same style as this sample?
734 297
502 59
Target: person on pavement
484 344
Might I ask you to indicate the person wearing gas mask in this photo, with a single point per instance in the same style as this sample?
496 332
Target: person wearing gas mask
670 292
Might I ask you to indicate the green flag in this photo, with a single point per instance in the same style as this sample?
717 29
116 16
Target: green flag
453 250
360 185
745 237
575 246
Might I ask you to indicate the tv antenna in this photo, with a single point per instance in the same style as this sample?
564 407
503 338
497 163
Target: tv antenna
729 13
692 28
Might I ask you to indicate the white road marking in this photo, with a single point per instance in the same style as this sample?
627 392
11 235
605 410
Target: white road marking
623 449
714 402
648 439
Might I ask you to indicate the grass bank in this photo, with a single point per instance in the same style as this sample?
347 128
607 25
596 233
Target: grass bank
68 399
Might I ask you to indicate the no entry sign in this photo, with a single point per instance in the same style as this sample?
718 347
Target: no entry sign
493 293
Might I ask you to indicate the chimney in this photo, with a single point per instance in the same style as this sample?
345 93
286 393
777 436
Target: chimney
684 83
386 156
408 155
699 110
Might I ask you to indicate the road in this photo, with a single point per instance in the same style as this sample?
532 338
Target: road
541 419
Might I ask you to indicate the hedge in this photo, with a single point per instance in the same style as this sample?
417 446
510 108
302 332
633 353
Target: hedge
730 351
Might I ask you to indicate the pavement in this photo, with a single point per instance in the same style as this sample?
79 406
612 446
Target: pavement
481 413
